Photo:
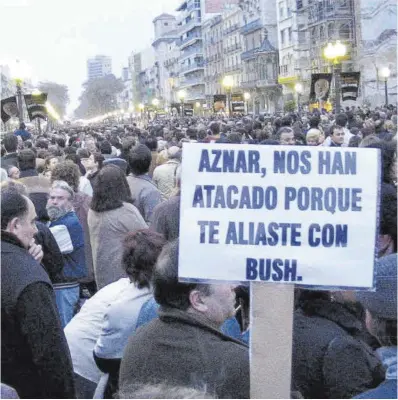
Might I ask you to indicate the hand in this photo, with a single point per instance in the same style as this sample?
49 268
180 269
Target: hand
36 251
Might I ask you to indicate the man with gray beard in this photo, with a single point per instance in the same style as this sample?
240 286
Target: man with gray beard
68 233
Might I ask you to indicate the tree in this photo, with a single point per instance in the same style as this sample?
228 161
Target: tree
58 96
99 96
290 106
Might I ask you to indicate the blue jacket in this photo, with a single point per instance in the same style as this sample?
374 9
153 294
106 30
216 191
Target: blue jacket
25 135
74 262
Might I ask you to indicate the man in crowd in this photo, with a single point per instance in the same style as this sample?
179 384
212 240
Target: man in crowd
10 159
22 132
144 192
35 357
185 346
69 235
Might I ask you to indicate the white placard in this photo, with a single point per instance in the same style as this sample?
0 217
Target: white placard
304 215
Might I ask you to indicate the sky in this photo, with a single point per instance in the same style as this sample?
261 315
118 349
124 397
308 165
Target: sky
55 37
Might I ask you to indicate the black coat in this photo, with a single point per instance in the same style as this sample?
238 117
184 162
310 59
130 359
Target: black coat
166 218
178 349
35 358
9 160
331 358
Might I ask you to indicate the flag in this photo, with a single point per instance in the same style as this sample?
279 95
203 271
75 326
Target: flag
349 83
320 87
36 105
237 103
219 101
9 108
188 109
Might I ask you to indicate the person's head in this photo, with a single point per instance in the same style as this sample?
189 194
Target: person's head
110 189
60 141
26 160
60 200
140 159
42 144
90 145
18 216
314 122
215 303
106 147
354 141
51 162
214 128
341 120
286 136
337 134
387 239
141 249
10 143
67 171
312 137
286 121
381 305
165 390
152 143
13 172
174 153
22 126
369 140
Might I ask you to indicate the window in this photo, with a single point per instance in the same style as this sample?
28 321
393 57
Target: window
288 9
282 37
166 24
290 35
281 10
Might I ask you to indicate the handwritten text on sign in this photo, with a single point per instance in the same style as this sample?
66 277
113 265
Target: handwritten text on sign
278 214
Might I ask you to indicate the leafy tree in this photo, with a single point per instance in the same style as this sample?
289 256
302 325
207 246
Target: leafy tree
290 106
58 95
99 96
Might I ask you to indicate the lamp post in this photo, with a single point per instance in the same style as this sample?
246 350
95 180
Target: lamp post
37 92
181 95
19 72
246 97
141 107
385 74
334 52
298 87
155 103
227 83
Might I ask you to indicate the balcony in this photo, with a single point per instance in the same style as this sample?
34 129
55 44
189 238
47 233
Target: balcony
232 48
192 67
231 29
248 54
196 95
233 68
190 40
191 82
251 27
189 52
190 25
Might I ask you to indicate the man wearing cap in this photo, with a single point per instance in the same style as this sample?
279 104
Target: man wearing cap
68 233
381 321
164 175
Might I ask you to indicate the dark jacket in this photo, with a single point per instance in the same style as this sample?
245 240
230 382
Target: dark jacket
331 358
9 160
28 173
166 218
182 350
52 261
35 358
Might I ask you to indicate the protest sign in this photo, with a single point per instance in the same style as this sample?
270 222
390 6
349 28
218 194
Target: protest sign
281 214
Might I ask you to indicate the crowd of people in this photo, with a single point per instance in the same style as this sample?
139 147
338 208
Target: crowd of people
91 304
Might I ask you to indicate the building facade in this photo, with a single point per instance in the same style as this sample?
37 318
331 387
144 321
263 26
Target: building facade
191 65
378 50
165 27
98 67
260 55
213 57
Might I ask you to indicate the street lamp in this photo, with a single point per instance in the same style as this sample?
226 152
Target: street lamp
334 53
19 71
228 83
181 95
246 97
155 102
385 74
36 93
298 87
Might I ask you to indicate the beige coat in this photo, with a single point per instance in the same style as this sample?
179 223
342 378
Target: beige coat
107 231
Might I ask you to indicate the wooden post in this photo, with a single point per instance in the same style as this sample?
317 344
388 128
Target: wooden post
272 308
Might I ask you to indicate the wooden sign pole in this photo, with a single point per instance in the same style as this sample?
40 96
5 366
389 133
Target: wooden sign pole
271 319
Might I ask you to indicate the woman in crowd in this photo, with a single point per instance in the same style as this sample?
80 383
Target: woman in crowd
110 217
